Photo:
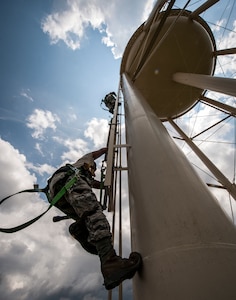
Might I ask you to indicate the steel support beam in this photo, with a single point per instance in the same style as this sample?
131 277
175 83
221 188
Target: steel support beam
150 42
202 8
156 9
218 84
231 187
225 52
217 104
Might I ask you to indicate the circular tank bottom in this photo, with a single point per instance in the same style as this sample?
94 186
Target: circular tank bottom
187 48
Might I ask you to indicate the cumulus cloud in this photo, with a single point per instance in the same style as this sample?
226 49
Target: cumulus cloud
75 149
41 169
97 131
41 261
40 120
112 19
13 169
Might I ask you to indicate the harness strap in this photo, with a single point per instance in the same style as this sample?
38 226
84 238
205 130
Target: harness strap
58 196
44 190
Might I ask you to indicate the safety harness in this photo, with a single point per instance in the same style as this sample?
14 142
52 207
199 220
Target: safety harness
70 170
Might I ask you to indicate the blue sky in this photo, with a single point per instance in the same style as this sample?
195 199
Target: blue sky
58 59
37 75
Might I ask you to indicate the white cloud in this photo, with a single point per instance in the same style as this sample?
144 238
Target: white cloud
97 131
76 149
218 25
112 19
72 117
38 147
41 261
13 170
70 25
26 94
41 169
40 120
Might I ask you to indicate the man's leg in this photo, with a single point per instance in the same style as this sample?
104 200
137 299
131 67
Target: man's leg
114 268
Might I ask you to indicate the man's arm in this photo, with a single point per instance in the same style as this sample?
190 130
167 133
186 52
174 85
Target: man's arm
96 184
98 153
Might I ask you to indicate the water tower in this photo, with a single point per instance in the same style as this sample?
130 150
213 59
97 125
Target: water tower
187 242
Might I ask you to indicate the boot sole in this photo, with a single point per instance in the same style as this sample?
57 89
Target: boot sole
112 281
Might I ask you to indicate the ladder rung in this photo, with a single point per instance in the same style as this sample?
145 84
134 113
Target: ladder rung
120 168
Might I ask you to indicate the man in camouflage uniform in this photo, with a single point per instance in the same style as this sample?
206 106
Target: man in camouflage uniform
91 227
110 100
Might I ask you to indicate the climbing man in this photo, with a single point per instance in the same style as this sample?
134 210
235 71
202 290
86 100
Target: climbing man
91 227
109 101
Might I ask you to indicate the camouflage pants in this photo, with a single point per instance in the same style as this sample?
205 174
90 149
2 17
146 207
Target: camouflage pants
90 217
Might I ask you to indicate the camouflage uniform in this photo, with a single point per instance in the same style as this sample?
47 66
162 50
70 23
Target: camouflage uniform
110 101
81 204
91 228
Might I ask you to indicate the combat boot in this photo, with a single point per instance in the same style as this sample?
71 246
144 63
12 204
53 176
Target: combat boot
116 269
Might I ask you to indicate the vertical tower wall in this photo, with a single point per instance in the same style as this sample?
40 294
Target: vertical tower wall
187 242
